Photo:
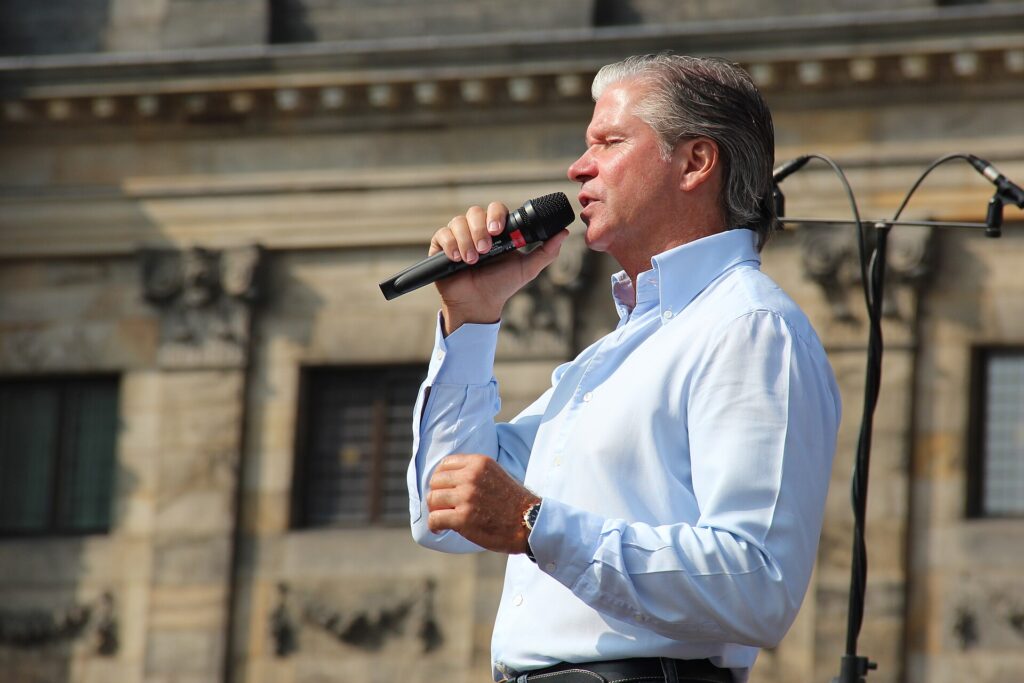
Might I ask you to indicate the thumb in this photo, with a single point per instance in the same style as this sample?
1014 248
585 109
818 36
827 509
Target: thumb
539 259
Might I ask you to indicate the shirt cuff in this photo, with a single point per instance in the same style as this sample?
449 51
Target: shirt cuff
472 347
564 540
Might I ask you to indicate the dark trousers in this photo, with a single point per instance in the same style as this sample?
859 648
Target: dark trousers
645 670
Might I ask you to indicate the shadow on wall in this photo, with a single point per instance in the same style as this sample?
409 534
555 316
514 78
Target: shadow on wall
29 27
616 13
48 618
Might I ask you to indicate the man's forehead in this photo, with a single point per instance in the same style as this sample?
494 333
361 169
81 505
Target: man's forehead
614 107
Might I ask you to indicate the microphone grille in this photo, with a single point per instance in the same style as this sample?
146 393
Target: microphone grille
553 205
554 208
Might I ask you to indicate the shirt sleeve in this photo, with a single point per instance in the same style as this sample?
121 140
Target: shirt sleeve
454 413
762 417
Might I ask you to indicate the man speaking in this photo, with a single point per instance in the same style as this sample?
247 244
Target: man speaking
661 502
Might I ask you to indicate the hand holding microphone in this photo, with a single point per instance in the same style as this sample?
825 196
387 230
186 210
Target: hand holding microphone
470 242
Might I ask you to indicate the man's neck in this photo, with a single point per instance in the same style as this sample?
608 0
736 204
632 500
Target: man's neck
640 261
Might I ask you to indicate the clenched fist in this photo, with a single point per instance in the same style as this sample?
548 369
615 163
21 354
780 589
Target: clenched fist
474 496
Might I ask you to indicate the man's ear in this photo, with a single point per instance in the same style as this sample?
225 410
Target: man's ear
698 161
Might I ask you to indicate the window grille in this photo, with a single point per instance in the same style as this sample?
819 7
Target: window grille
997 425
354 445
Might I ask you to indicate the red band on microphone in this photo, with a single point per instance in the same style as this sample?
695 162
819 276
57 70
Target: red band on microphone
517 239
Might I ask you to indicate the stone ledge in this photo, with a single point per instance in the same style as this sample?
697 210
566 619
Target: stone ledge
518 71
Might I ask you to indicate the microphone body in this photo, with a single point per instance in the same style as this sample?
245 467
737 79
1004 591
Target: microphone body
535 221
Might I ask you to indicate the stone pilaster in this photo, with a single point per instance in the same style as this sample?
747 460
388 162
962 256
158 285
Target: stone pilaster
206 300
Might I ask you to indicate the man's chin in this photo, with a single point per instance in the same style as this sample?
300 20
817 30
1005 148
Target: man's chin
592 238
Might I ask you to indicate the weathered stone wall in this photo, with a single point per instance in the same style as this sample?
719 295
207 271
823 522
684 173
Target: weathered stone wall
967 597
159 580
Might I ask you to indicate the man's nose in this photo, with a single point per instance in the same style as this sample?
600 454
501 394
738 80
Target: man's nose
582 169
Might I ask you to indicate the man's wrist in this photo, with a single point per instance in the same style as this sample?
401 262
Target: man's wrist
454 317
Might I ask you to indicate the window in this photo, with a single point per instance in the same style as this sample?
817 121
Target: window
354 445
996 477
57 441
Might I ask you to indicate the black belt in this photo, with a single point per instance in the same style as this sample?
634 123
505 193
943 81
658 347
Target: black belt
621 670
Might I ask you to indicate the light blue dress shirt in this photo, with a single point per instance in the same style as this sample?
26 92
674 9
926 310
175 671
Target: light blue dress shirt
683 461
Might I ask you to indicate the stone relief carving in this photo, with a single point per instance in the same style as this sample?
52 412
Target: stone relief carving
831 259
987 613
367 629
39 348
283 628
206 298
39 628
107 640
965 628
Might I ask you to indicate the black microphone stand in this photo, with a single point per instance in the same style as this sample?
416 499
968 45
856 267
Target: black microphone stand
853 667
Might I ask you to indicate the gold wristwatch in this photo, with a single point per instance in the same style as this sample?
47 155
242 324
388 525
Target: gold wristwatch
529 519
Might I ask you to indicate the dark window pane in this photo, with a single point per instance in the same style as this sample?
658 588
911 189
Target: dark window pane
91 423
356 445
57 442
28 437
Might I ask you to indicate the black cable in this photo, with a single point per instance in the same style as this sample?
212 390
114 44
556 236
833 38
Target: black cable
874 294
920 179
874 285
872 270
861 246
873 274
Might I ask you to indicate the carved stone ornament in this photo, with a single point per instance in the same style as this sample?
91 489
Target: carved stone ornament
540 319
34 629
831 259
366 629
206 299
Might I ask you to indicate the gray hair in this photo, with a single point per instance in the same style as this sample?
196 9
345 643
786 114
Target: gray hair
709 97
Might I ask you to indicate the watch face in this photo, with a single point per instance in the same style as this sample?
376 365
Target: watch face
530 518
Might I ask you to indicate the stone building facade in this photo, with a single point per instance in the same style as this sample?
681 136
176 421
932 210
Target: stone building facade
197 201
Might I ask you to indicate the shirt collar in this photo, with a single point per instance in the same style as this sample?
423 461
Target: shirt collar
681 273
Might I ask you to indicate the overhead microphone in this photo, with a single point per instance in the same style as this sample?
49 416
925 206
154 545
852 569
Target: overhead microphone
537 220
1010 190
781 173
790 167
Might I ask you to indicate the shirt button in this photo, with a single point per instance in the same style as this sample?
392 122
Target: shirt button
558 462
587 396
439 355
518 600
550 566
667 315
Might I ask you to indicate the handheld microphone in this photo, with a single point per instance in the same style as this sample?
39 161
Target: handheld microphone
537 220
1007 187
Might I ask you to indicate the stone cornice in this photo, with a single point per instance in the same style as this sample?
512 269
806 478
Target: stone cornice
983 44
